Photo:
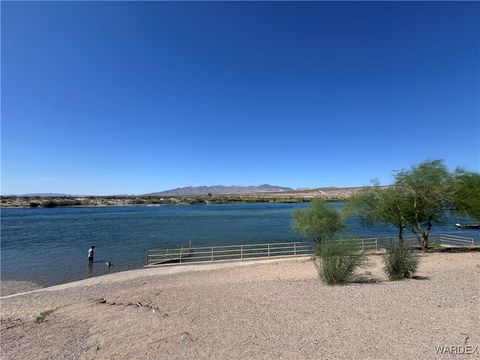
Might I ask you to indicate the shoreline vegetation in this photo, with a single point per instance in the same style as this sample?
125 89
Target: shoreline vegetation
297 196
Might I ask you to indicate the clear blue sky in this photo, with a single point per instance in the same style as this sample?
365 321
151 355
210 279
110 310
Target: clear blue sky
105 98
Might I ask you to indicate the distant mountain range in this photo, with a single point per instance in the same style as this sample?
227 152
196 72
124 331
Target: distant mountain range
275 191
221 190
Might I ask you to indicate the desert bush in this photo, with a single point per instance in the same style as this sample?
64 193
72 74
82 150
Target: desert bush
195 201
400 262
42 316
65 202
50 204
336 262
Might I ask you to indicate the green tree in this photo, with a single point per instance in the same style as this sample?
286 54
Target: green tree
378 204
320 222
428 190
467 193
418 199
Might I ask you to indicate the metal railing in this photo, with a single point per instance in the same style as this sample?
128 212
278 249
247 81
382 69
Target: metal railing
455 240
158 257
226 253
445 240
361 244
188 254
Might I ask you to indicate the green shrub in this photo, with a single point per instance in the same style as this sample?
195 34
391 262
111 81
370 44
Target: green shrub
337 261
195 201
50 204
400 262
42 316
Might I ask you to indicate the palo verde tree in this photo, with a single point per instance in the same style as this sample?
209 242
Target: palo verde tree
428 191
378 204
336 261
320 222
467 193
418 199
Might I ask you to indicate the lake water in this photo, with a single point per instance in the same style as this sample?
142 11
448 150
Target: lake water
49 246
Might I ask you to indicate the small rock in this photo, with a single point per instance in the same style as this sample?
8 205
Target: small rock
185 336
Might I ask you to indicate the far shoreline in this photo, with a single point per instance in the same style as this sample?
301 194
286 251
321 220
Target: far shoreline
65 200
70 202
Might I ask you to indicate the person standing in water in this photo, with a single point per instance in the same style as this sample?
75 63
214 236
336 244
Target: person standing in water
90 254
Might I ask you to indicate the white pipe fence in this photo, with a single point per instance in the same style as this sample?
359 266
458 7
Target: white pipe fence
228 252
159 257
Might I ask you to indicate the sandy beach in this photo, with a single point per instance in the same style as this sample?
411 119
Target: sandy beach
263 310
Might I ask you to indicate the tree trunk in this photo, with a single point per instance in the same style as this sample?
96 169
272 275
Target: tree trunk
419 240
425 242
425 235
400 234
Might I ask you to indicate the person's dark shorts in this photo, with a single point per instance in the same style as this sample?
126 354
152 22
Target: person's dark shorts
90 259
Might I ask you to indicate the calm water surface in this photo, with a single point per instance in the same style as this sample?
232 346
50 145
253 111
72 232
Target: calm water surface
49 246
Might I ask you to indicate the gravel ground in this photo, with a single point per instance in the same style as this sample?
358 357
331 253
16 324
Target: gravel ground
262 310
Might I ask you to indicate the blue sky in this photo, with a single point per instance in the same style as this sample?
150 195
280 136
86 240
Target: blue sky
109 98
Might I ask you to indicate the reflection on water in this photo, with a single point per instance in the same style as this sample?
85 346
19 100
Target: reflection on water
89 270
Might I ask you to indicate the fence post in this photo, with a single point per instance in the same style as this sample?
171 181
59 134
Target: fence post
363 246
146 256
294 248
212 254
181 251
268 250
166 253
241 252
376 244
